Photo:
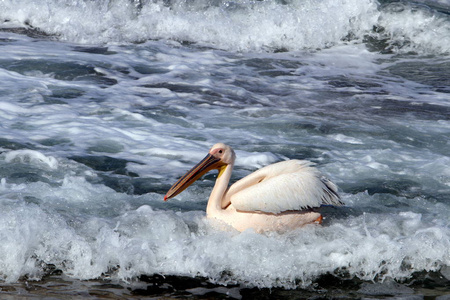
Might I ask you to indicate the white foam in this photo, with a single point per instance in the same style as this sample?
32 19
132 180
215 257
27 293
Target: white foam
416 28
32 157
346 139
255 160
10 109
146 241
246 26
239 26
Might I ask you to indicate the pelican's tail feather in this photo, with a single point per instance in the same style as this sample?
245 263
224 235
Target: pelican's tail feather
330 194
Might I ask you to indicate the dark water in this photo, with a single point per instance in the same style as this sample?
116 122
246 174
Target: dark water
420 286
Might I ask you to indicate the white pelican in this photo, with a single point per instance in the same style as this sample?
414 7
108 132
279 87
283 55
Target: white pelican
277 197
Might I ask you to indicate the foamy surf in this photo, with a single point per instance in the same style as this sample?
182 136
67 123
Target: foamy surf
87 230
244 26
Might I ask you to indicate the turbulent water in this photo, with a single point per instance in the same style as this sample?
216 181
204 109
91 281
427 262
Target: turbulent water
104 104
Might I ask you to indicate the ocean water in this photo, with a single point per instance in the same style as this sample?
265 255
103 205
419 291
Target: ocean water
105 104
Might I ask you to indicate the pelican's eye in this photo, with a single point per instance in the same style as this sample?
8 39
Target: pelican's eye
220 151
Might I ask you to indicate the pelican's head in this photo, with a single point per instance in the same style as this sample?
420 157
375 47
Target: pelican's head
219 157
223 152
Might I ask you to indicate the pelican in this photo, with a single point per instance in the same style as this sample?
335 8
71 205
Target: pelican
278 197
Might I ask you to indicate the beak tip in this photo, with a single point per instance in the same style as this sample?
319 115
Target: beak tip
165 198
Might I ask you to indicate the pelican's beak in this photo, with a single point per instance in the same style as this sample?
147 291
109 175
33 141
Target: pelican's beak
207 164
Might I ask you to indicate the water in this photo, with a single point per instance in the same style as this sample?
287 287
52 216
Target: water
104 104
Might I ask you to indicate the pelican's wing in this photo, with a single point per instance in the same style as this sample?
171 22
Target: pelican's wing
284 186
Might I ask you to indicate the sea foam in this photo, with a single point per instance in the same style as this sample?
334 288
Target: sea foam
74 233
245 26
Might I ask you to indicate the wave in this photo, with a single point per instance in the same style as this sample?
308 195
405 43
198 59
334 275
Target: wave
272 25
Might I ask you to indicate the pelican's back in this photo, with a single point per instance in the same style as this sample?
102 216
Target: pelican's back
284 186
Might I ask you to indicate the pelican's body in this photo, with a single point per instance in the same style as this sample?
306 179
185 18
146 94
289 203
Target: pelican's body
278 197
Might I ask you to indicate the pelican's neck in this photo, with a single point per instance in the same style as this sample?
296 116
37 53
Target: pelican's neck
220 187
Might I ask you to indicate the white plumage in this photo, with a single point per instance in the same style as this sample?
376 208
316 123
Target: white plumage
284 186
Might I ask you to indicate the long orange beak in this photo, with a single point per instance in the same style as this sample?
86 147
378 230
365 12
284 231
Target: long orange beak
205 165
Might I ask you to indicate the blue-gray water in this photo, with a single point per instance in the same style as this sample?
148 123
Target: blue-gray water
104 104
